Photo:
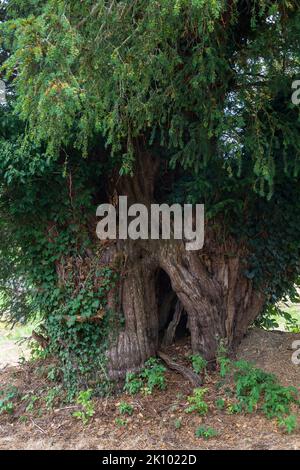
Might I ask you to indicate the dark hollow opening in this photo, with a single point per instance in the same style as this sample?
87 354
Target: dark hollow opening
167 304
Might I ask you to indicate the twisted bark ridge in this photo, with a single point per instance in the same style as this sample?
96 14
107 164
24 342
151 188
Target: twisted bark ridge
219 301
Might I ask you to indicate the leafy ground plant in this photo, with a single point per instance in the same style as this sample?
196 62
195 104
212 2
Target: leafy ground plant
178 423
197 402
87 408
52 395
223 361
199 363
125 408
6 399
289 424
30 400
205 432
121 422
220 403
257 390
152 376
133 384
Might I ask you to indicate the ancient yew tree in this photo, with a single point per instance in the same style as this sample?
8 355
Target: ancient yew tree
163 101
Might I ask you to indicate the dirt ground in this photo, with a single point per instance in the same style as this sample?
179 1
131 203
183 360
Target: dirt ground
153 423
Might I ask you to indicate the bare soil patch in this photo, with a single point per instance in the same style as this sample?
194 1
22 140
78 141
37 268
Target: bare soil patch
10 351
152 425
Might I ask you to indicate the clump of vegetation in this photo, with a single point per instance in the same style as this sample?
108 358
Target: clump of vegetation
152 376
52 395
7 397
121 422
133 384
220 403
257 390
234 408
197 402
30 400
289 424
87 408
223 361
178 423
205 432
125 408
199 363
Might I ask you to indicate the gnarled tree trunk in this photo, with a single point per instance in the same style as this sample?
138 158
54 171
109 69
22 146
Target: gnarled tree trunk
139 340
219 301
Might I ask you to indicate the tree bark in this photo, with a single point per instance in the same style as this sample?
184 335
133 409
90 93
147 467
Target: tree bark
219 300
171 329
139 340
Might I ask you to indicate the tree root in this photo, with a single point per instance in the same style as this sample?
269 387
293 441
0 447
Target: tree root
187 373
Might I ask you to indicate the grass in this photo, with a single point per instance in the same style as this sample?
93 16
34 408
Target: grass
294 311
